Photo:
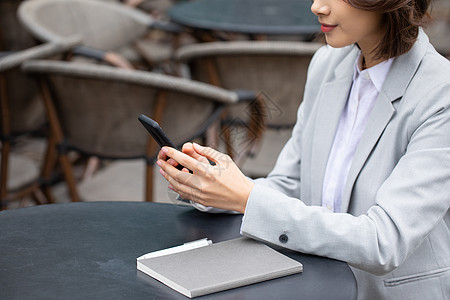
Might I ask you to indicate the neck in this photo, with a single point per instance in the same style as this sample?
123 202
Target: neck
368 61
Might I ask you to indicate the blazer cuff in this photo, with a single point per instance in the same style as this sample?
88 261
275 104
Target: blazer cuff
264 215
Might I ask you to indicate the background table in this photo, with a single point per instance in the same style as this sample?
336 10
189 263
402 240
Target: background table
267 17
89 251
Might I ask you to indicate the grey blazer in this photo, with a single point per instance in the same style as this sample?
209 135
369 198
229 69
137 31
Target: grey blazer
394 226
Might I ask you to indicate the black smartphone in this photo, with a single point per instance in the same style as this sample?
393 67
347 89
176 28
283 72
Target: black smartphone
158 134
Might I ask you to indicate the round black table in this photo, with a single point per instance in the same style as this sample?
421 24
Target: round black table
264 17
89 251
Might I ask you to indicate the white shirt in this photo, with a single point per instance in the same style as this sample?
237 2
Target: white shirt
366 87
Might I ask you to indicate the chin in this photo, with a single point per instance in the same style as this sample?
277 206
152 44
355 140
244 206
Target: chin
338 44
336 40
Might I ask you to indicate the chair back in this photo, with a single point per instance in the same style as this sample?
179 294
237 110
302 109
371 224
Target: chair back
21 112
275 69
104 25
93 110
97 106
13 37
25 109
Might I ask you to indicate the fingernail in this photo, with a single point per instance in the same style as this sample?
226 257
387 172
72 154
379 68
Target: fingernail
165 150
170 186
158 162
161 171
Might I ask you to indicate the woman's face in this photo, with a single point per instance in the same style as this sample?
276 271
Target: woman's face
345 25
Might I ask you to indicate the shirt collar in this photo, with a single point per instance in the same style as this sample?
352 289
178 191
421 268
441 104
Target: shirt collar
377 74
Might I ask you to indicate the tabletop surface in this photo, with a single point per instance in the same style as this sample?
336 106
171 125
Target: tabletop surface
290 17
89 251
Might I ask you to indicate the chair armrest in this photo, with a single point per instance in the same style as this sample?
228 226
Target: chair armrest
161 81
6 53
89 52
110 57
245 95
14 59
214 49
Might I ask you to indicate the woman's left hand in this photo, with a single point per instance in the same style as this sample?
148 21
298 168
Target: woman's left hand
221 185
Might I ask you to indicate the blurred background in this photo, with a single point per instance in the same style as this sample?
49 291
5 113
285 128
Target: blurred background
75 74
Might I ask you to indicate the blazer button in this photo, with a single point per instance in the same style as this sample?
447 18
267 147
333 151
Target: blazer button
283 238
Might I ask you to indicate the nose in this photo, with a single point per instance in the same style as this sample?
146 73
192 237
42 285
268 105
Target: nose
320 7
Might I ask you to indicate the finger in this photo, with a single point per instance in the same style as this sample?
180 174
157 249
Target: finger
211 154
185 160
182 190
162 155
189 194
172 162
179 182
170 173
188 149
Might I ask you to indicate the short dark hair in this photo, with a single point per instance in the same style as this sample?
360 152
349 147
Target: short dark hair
403 19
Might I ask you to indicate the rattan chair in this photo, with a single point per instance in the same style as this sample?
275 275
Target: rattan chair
111 32
13 36
275 70
19 108
93 110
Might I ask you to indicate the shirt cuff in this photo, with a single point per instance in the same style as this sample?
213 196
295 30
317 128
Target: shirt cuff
246 207
212 210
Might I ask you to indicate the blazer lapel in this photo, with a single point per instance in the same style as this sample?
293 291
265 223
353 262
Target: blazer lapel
396 83
331 101
379 118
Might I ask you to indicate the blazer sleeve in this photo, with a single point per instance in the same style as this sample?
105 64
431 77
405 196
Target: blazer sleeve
408 205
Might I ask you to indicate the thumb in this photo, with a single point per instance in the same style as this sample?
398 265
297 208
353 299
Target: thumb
211 154
188 149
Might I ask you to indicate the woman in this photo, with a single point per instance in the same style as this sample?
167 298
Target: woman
365 175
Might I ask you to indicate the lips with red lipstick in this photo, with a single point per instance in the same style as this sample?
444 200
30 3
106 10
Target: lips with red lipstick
327 28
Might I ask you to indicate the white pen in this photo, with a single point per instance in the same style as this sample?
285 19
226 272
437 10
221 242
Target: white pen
186 246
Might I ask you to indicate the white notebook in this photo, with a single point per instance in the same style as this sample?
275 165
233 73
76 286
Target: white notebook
206 268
